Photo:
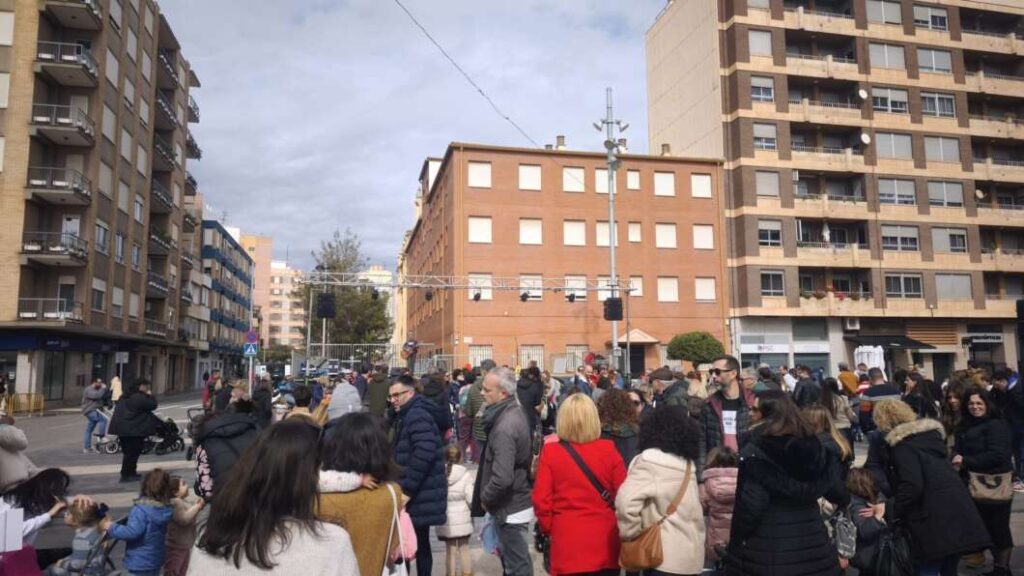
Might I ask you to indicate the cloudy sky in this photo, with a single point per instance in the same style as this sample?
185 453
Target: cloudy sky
317 114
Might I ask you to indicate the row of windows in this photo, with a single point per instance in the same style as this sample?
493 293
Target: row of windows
574 233
887 144
883 99
890 12
947 286
531 288
891 56
573 178
98 299
890 190
898 238
101 238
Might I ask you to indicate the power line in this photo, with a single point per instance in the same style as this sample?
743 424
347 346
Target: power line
465 74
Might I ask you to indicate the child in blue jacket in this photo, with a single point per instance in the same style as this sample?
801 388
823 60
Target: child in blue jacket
146 530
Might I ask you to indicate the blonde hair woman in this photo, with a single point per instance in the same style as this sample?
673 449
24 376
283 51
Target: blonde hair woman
564 498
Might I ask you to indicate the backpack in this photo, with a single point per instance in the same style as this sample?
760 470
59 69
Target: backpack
844 534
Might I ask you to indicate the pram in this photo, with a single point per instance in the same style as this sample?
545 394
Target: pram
167 438
104 548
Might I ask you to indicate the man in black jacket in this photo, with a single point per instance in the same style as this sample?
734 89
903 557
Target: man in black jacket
132 421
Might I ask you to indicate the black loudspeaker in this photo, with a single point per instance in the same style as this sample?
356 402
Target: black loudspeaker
325 305
613 309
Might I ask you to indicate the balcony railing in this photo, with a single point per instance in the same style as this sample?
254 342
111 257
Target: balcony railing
817 149
190 182
165 58
990 34
846 198
66 53
164 149
995 75
192 147
63 117
1000 206
161 194
187 260
1005 162
165 106
52 178
54 244
829 104
820 57
822 13
157 281
830 245
193 110
49 309
156 328
162 239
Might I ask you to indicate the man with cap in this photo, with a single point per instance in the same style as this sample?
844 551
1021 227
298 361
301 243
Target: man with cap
667 390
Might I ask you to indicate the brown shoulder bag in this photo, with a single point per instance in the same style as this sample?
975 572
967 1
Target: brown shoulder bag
645 552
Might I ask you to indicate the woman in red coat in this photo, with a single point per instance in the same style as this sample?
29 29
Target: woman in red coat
569 508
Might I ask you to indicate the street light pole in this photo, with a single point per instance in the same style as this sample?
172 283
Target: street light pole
610 125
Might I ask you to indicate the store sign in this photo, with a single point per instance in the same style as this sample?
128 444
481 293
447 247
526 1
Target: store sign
972 339
764 349
812 348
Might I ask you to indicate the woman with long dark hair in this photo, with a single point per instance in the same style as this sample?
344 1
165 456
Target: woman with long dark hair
838 407
917 393
264 516
132 421
619 422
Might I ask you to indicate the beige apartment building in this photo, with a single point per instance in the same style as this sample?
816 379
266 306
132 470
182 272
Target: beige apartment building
261 250
874 170
510 222
280 311
95 113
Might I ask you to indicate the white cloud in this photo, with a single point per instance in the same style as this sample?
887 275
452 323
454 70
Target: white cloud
317 114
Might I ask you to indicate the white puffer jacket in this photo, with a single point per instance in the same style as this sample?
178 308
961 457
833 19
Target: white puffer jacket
460 494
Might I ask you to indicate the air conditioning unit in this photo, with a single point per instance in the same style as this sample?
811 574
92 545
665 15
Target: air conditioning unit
851 324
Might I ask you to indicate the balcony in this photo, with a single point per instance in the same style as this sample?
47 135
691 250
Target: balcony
160 199
999 170
186 296
1007 126
189 222
156 328
802 18
63 125
167 73
165 118
163 155
193 111
990 41
63 186
156 286
61 249
187 261
191 185
1002 259
824 112
160 244
829 158
192 148
821 303
75 14
833 254
817 65
49 310
994 83
67 64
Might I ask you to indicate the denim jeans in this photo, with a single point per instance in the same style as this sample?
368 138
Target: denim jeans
515 549
94 419
945 567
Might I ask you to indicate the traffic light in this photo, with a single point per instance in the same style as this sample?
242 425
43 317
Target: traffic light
613 308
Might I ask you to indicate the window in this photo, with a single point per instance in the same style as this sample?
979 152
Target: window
109 123
884 11
126 144
934 104
148 19
931 60
576 286
765 137
903 285
115 13
133 45
664 184
140 209
899 238
574 233
529 177
102 233
760 42
106 184
112 68
129 93
757 4
953 286
532 284
887 56
941 149
603 233
636 285
123 195
479 175
601 180
668 289
891 145
531 231
769 232
893 191
141 160
136 256
133 305
949 240
117 302
945 193
147 66
762 88
99 295
479 230
704 289
767 183
931 17
572 179
700 185
632 179
703 237
119 248
144 111
772 283
665 235
635 232
890 100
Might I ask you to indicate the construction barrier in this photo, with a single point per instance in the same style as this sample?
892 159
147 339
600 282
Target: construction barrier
23 403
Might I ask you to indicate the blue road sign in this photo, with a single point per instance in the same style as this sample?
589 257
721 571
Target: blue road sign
250 349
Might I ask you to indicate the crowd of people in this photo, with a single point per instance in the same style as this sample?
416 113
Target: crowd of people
736 472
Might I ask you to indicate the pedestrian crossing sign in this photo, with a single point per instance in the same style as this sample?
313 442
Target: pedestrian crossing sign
250 349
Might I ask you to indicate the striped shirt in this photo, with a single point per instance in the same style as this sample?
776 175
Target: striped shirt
85 540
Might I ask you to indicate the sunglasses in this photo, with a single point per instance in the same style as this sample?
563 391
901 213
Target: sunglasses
398 395
719 371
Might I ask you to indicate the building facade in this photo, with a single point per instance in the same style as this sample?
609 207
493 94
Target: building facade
95 117
231 278
285 317
874 172
261 250
517 224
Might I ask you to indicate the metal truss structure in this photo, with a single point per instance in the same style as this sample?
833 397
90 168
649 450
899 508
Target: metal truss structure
514 283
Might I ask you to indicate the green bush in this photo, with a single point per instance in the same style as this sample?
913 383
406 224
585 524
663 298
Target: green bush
695 347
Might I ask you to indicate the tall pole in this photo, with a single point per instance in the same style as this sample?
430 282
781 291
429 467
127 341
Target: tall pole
309 331
611 145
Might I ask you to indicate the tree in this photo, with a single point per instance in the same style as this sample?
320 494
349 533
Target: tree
695 347
278 353
359 316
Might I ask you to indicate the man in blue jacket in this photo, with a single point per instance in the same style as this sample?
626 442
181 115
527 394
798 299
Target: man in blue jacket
419 452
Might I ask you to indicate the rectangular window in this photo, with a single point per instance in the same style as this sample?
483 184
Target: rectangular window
632 179
700 185
772 283
106 184
894 145
480 284
704 289
892 100
941 149
601 180
112 69
574 233
479 175
109 123
123 195
129 93
116 302
765 137
576 286
668 289
136 256
132 45
147 66
762 88
479 230
133 305
664 184
893 191
126 144
934 104
887 56
635 232
636 285
769 232
144 111
949 240
665 235
884 12
900 238
99 295
141 160
119 248
529 177
767 183
140 209
116 13
931 17
572 179
703 237
760 42
531 231
931 60
945 193
531 285
602 233
102 232
953 286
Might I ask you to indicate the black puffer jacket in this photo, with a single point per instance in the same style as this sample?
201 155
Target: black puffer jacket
986 446
133 415
224 438
530 394
419 451
626 440
777 528
929 497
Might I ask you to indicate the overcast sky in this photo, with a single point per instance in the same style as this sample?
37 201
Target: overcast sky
318 114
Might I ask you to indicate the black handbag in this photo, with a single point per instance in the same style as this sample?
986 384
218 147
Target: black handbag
894 556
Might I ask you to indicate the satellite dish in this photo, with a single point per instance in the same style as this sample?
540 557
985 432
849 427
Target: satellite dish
863 94
865 138
979 194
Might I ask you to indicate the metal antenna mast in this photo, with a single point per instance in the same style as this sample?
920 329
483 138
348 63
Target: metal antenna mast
611 144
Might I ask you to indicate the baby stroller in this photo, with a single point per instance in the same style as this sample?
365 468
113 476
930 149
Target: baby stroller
166 439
